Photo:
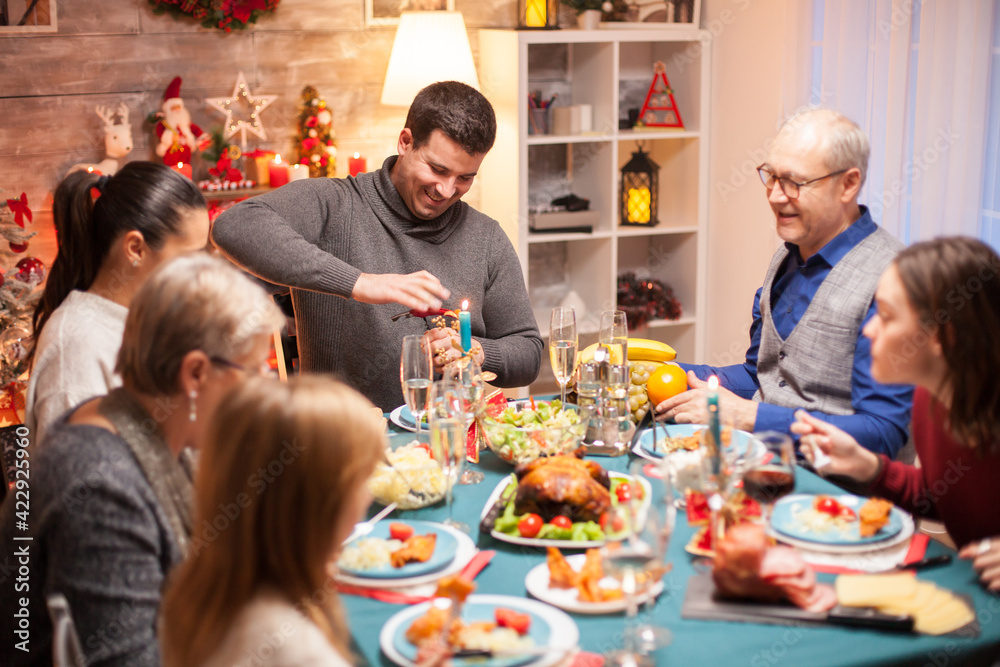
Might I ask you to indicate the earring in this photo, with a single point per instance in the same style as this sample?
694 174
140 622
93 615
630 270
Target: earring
193 414
135 262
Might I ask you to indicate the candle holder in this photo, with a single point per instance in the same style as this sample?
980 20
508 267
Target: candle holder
538 14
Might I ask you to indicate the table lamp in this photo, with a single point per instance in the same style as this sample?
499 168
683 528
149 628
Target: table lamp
429 47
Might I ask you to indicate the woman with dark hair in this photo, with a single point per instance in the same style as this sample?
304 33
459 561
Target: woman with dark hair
937 327
113 231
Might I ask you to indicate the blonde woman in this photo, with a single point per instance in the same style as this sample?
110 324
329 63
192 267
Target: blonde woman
110 494
280 485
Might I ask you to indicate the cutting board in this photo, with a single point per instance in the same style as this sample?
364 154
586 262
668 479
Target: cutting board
701 603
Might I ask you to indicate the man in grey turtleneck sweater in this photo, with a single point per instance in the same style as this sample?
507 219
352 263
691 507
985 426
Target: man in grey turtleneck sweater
353 250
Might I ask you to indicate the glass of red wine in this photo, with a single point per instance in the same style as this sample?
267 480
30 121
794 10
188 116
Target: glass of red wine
771 475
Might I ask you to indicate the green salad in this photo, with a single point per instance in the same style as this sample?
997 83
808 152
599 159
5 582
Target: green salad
524 432
611 525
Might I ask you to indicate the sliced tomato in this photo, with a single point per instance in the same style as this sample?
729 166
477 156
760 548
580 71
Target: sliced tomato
697 508
561 522
424 446
847 514
624 492
516 621
529 525
826 505
617 523
400 531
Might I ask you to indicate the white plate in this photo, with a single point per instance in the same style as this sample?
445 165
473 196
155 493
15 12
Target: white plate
394 417
563 633
644 442
463 553
564 544
902 536
537 583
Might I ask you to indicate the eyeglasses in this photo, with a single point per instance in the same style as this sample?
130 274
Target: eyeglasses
263 369
787 185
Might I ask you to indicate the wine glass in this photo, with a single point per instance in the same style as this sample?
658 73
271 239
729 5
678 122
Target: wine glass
448 428
415 374
614 335
465 371
562 346
772 475
640 561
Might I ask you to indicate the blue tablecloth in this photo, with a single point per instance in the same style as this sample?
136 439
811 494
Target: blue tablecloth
705 642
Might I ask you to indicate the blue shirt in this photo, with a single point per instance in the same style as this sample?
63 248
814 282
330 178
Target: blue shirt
881 412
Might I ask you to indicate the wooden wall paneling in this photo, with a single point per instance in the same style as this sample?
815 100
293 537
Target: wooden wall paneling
314 16
99 18
348 57
122 63
496 14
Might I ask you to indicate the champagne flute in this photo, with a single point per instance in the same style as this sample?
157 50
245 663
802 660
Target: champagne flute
415 374
562 346
465 371
614 335
639 562
448 428
772 475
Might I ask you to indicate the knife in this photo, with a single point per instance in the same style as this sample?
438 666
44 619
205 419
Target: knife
368 526
526 651
640 427
933 561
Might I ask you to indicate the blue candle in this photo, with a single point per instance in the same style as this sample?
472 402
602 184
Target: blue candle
713 423
465 326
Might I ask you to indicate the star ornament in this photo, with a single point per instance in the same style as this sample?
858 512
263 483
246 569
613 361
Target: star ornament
242 110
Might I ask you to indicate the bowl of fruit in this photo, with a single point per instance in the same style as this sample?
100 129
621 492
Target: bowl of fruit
525 431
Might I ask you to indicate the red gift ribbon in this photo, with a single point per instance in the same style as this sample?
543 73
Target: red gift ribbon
20 208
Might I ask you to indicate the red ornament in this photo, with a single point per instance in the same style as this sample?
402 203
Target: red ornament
30 270
18 247
660 108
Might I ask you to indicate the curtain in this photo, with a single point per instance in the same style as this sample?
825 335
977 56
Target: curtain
916 77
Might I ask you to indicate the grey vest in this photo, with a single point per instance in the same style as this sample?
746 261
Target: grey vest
812 368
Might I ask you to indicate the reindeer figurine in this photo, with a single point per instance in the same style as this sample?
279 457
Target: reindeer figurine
117 140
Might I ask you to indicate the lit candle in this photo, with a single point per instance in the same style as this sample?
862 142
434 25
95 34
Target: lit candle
639 205
298 172
534 14
465 326
277 173
183 169
356 164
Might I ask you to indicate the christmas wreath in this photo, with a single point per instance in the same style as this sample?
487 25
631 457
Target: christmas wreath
645 299
222 14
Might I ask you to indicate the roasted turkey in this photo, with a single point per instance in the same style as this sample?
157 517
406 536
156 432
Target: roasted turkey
562 486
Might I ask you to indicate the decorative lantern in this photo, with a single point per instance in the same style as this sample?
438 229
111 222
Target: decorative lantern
538 14
639 189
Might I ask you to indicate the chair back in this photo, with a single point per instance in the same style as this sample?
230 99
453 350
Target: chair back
66 651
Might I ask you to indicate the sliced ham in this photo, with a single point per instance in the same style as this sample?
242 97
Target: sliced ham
748 566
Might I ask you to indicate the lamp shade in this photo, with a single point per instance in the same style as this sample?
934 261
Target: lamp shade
429 47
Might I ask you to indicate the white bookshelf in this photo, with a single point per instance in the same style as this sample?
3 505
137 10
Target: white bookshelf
611 70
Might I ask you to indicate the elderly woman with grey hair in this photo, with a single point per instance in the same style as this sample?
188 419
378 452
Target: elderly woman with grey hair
110 493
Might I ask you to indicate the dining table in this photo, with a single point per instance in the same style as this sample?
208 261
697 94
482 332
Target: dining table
699 642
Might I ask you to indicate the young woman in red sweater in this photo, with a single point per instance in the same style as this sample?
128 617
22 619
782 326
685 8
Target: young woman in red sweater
937 327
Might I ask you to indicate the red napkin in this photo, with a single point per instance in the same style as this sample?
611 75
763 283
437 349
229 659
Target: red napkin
471 569
585 659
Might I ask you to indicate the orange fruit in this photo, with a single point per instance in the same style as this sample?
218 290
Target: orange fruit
666 381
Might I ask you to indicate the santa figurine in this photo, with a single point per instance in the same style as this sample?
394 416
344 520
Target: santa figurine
178 135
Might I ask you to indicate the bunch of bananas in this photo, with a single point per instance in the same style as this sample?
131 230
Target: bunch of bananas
644 357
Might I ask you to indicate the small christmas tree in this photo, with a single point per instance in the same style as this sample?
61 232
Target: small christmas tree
317 142
21 278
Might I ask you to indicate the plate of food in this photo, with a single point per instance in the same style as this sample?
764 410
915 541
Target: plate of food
578 584
464 550
503 630
677 438
837 520
399 549
561 501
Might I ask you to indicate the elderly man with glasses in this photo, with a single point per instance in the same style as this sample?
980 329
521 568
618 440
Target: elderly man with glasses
806 349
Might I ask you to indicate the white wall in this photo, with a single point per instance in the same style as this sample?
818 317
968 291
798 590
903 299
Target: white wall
750 39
